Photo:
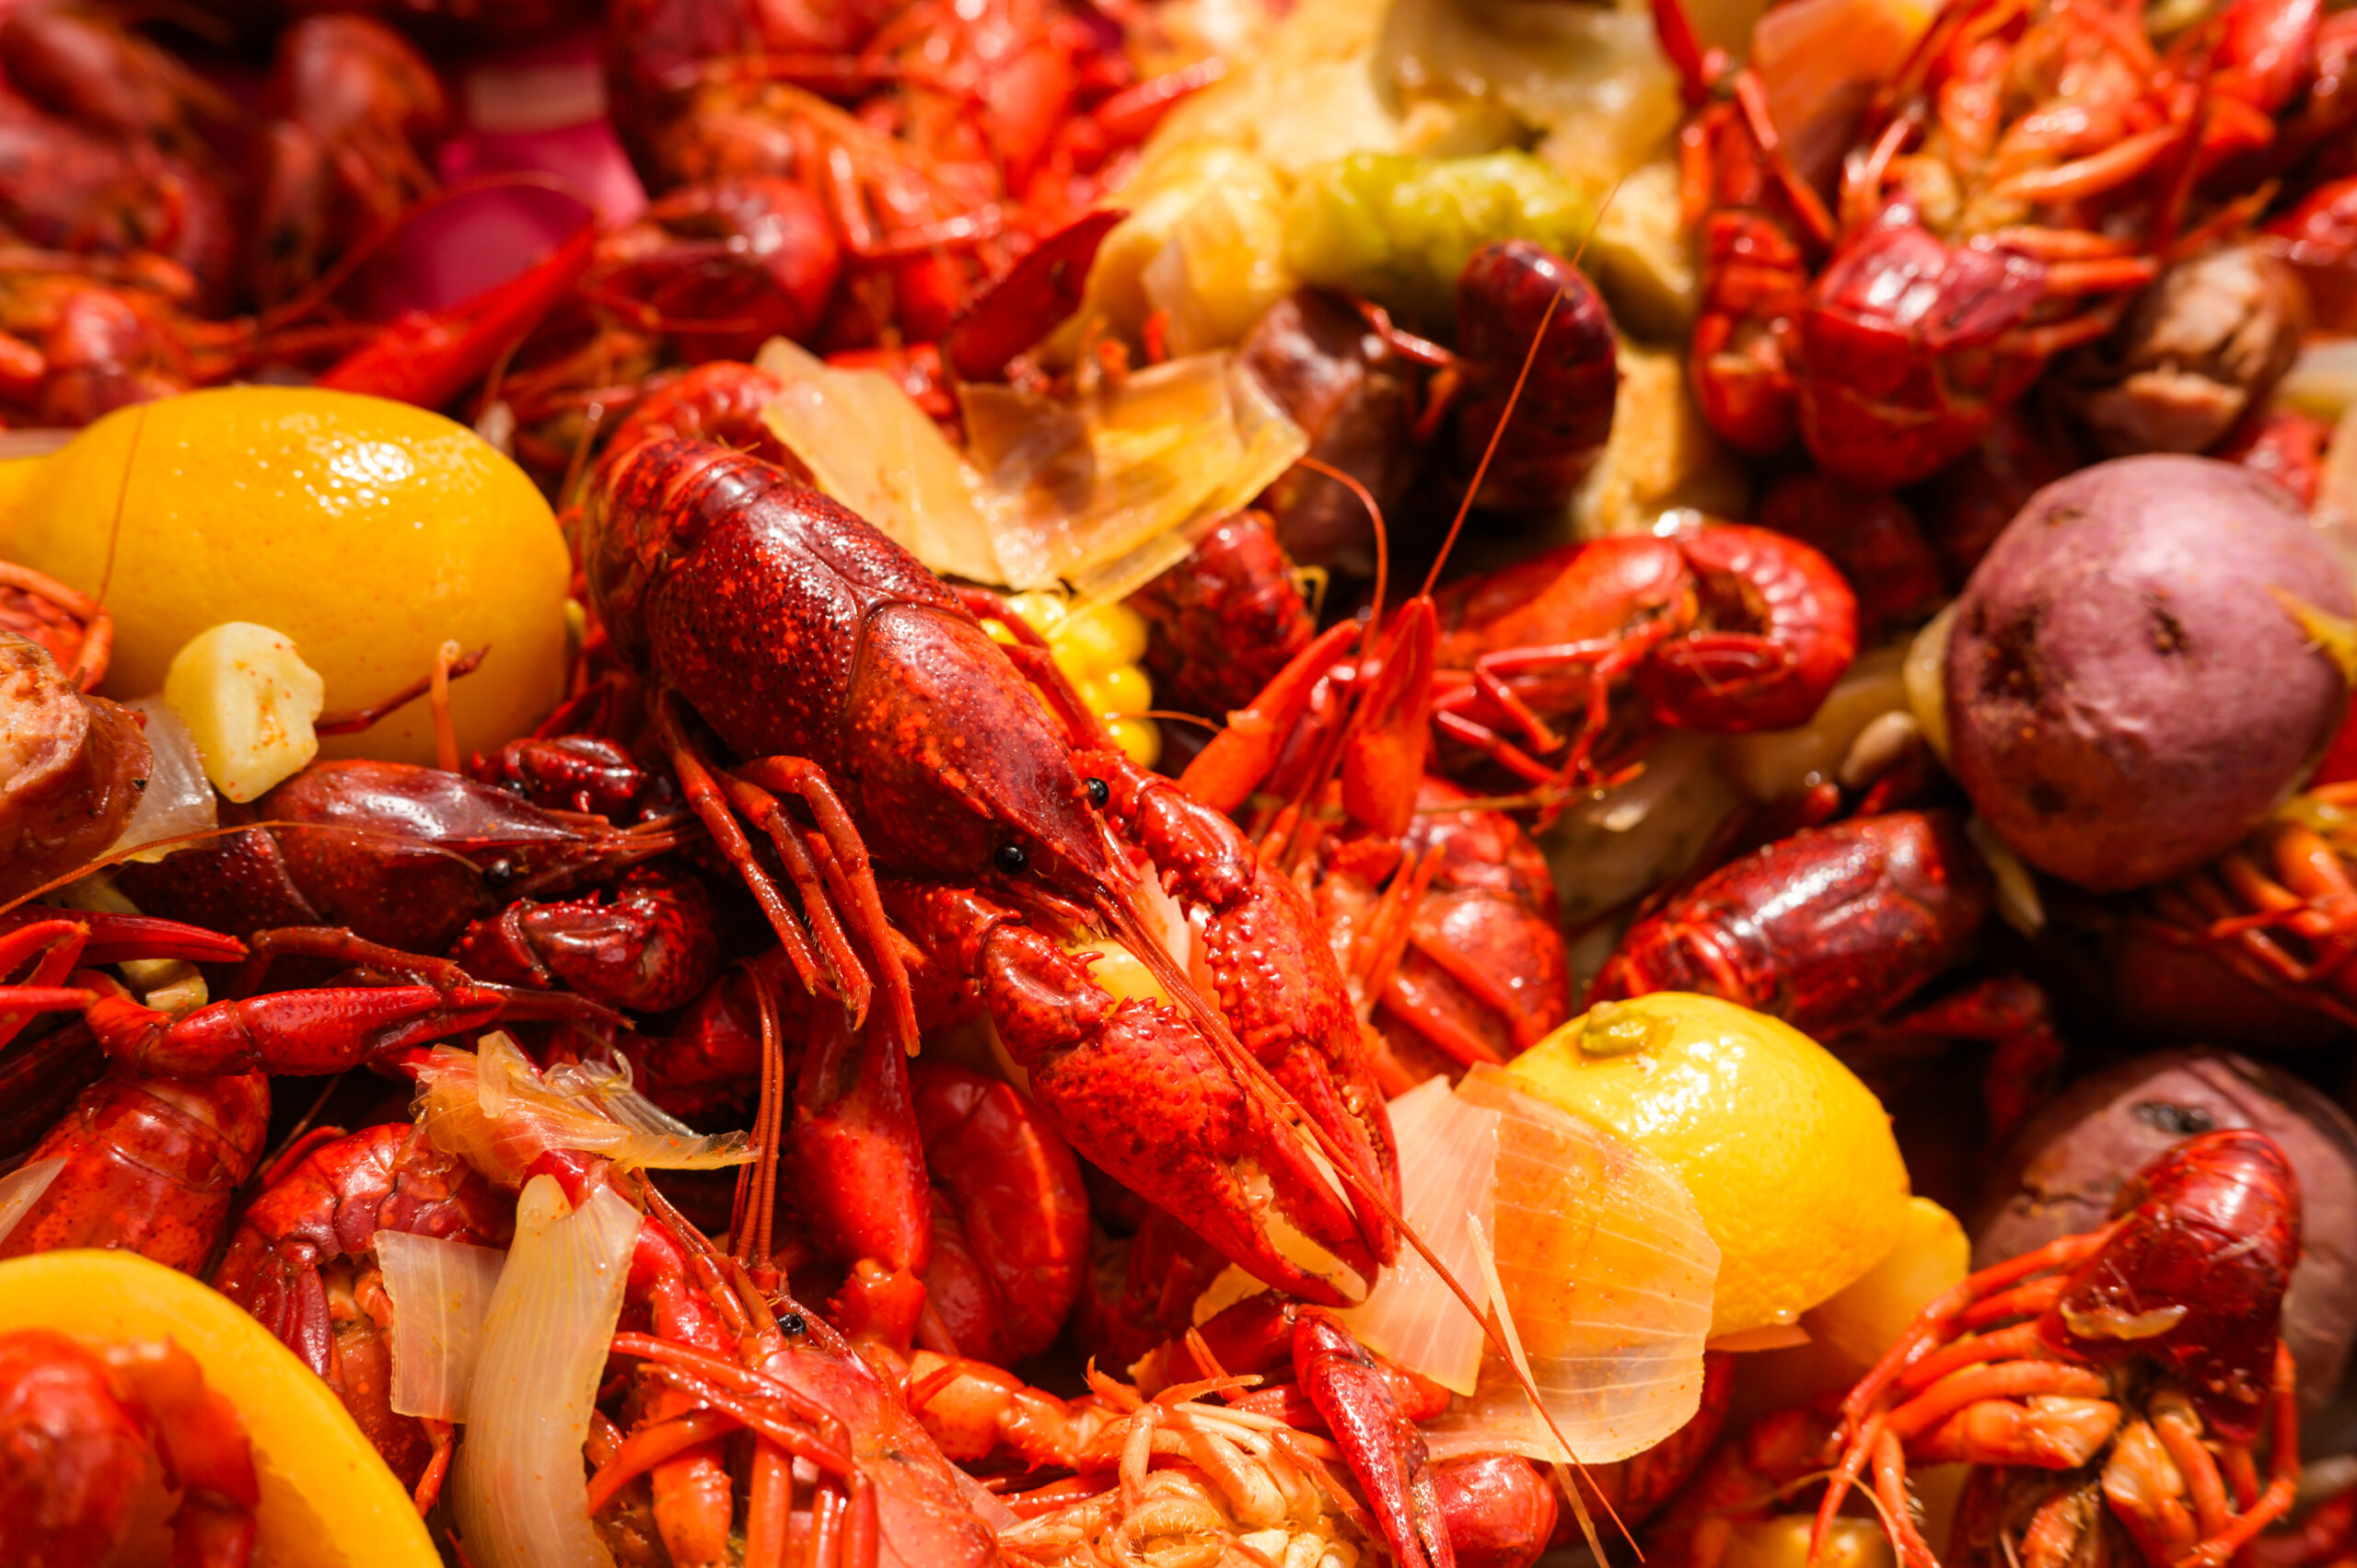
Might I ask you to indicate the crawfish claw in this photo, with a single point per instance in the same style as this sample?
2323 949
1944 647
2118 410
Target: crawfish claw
1382 1447
1143 1097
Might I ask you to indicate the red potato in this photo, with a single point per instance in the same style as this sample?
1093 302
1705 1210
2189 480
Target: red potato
2060 1174
2130 686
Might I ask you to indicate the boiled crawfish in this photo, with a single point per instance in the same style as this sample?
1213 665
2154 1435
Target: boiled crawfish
920 750
302 1260
924 1203
104 148
1833 930
150 1164
2137 1366
2007 187
1718 627
2276 910
1337 1390
356 116
1442 915
398 854
977 130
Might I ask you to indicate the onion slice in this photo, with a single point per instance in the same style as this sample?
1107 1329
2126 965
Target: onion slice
1449 1154
870 447
493 1108
1098 490
441 1291
22 1188
1604 1263
179 798
518 1487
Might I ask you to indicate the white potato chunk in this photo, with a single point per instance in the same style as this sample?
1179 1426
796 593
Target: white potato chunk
248 699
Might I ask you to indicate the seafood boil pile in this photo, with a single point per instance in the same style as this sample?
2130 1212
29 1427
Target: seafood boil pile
1178 784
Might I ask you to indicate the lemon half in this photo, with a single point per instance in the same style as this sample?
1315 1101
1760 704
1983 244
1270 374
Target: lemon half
327 1500
368 531
1789 1158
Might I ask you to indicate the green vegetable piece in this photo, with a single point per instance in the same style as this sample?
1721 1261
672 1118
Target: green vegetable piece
1398 229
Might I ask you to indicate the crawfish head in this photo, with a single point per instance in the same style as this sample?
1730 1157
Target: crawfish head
2195 1275
420 848
795 628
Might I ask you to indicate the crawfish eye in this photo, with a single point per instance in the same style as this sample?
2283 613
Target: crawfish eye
1012 860
1100 792
793 1326
500 872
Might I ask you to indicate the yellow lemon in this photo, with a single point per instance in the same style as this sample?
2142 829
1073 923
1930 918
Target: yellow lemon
1790 1157
327 1500
368 531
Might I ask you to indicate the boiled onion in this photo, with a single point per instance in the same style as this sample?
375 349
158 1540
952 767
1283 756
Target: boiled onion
493 1108
869 446
1448 1155
22 1188
1604 1265
1096 492
179 798
518 1487
441 1291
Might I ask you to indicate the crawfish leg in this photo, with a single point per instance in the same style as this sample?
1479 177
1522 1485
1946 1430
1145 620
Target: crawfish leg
2221 1547
762 809
809 782
712 808
54 947
325 1030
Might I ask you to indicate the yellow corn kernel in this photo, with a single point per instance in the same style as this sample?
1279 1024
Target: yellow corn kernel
1044 610
1090 689
1100 637
1121 690
1140 739
999 630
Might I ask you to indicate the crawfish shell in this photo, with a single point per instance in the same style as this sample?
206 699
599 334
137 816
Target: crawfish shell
2066 1164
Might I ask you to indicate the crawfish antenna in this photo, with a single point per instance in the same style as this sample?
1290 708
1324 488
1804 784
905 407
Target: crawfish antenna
1382 534
121 499
755 1210
1481 470
1513 398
